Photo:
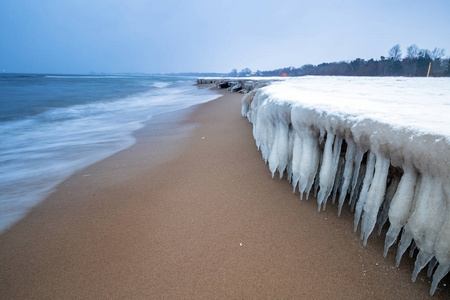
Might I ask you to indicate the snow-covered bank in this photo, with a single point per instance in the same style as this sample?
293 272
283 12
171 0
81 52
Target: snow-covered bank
380 144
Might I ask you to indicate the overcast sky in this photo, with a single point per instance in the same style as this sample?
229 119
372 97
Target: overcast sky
80 36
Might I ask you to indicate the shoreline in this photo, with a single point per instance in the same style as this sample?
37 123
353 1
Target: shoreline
166 218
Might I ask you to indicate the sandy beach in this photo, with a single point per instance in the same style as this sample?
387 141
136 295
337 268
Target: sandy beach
191 212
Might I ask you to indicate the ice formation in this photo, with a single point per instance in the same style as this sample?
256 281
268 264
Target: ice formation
382 144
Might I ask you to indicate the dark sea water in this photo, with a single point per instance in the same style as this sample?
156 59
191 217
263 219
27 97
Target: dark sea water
54 125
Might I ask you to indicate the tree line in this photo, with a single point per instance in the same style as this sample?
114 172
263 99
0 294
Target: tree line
415 63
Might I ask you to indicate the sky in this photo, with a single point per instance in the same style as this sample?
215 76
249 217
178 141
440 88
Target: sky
149 36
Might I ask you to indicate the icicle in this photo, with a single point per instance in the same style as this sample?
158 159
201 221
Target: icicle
296 160
441 249
442 256
274 157
431 266
279 150
359 153
348 169
387 203
440 272
265 131
422 259
374 197
315 162
329 168
365 188
338 178
317 179
405 241
325 170
358 188
257 120
425 223
291 137
309 160
400 205
336 155
283 145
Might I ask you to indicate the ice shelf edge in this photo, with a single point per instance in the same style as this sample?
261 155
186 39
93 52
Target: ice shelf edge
405 182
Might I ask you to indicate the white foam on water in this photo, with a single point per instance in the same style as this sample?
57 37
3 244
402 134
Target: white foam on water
40 151
160 84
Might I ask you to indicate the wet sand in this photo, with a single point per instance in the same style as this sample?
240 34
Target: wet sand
191 212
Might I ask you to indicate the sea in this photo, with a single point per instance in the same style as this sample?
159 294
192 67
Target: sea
53 125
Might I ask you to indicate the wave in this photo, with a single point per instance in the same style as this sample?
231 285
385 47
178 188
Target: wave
160 84
40 151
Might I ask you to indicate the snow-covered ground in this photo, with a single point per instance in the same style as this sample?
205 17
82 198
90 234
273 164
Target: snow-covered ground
380 143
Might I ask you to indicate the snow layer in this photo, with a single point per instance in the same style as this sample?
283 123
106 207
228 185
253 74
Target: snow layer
382 144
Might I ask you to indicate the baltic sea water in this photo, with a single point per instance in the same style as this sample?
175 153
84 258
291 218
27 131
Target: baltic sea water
53 125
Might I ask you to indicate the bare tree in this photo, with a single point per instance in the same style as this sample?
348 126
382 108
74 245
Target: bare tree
437 53
395 53
412 51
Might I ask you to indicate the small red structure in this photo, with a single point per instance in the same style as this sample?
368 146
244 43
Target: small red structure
283 74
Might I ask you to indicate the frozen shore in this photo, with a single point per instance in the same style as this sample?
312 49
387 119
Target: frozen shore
190 211
380 144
